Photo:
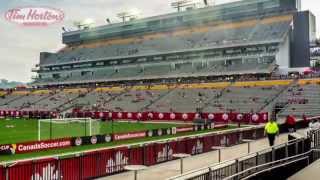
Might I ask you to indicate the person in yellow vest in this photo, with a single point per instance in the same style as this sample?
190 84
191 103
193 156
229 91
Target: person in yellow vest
271 129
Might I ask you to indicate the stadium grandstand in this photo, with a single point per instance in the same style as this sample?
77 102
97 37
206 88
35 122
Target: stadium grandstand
189 60
151 90
245 37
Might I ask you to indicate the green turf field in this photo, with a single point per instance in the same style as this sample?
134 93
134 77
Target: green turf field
22 130
58 152
26 130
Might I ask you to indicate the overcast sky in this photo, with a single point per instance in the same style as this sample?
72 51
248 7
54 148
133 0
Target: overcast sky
20 46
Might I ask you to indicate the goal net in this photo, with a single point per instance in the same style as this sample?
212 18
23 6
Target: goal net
67 127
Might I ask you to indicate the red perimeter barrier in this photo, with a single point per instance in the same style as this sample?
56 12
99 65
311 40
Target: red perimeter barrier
107 162
2 173
253 118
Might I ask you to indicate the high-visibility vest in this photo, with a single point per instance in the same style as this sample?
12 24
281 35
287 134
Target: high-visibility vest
272 128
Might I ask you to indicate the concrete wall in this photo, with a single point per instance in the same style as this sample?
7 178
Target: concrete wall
283 56
300 51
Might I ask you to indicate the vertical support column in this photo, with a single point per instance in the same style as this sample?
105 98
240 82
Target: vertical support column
85 127
7 173
273 154
135 175
287 150
39 132
59 169
210 173
181 165
90 127
50 128
237 169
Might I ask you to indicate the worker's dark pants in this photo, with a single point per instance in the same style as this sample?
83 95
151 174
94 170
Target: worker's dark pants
291 128
271 138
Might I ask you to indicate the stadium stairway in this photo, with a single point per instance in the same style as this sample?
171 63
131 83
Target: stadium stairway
268 106
12 100
69 105
309 95
156 100
41 99
216 97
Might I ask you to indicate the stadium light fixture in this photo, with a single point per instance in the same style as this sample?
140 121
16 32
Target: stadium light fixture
125 15
85 24
182 3
135 12
88 22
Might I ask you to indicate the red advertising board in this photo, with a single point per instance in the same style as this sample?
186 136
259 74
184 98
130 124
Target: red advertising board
130 135
27 147
184 129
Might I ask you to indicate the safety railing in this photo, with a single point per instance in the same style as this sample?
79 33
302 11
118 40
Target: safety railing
231 167
300 151
305 159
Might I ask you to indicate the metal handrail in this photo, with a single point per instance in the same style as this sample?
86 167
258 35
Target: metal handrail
268 169
281 165
266 164
214 166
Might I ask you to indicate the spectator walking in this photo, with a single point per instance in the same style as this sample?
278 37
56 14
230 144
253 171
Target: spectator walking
305 121
291 123
312 125
271 130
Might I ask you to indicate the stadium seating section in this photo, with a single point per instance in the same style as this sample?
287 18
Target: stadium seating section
212 36
298 96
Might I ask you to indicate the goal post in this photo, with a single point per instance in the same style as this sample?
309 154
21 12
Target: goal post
67 127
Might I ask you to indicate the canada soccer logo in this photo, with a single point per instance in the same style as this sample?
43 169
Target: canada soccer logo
139 115
185 116
174 130
196 116
107 138
239 117
150 115
211 116
78 141
172 116
168 131
161 116
197 148
265 117
165 153
119 115
117 163
93 140
225 117
255 117
46 173
150 133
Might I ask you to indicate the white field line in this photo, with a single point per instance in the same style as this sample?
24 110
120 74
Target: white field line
132 144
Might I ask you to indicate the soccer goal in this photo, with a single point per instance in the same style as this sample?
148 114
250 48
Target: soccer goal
67 127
